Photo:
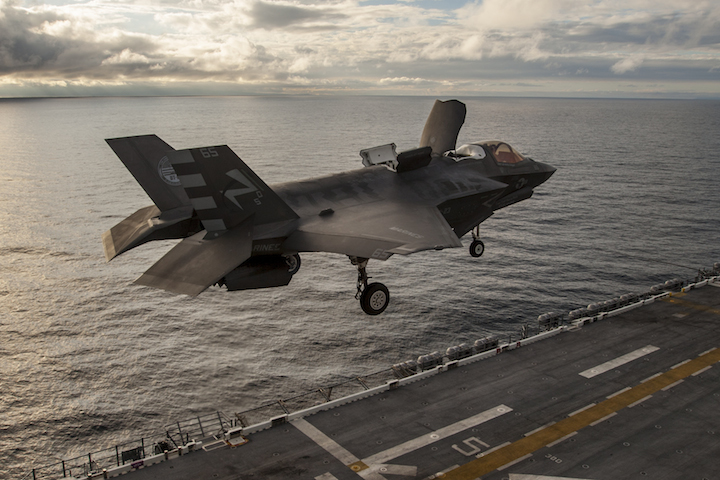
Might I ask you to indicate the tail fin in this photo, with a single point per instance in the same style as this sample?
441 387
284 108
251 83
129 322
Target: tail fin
172 215
224 191
146 158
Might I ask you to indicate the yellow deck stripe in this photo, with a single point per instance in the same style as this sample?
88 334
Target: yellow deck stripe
496 459
696 306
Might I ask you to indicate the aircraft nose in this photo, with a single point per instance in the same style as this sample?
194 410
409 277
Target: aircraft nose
549 169
546 171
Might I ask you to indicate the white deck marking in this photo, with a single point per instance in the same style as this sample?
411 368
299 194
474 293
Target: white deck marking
518 460
627 358
523 476
581 410
560 440
441 473
702 371
624 390
680 364
672 385
326 476
482 454
378 463
330 445
606 417
639 401
432 437
538 429
407 470
651 377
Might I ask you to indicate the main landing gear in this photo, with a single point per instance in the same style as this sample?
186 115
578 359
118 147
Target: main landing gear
374 297
293 263
477 247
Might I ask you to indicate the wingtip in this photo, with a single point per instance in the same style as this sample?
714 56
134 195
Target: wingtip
109 246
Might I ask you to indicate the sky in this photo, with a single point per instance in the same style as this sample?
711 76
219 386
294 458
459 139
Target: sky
566 48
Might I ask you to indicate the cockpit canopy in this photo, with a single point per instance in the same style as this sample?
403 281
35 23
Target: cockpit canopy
501 151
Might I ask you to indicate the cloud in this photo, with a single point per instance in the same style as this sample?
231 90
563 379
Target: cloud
513 15
626 65
350 44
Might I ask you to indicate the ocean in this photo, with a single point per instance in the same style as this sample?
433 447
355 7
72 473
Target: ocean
88 359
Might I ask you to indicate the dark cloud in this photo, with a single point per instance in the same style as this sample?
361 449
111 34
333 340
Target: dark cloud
20 47
24 48
270 15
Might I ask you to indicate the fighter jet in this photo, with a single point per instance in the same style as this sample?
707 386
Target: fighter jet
242 234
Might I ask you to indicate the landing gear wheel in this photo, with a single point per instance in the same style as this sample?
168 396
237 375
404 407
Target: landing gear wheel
374 299
477 248
293 262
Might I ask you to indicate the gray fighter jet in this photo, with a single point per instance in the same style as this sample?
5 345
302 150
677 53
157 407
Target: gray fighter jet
240 233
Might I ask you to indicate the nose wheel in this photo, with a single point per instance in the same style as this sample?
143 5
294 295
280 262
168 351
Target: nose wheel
477 247
374 297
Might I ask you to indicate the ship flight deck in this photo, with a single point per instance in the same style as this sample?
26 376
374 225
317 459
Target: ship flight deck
634 395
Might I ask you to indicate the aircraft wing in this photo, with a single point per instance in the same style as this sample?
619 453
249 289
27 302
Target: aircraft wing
198 262
375 230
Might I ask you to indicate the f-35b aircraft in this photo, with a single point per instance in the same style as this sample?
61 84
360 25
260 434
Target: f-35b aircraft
239 232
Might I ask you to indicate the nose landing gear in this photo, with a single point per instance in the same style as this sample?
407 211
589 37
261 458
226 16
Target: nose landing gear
477 247
374 297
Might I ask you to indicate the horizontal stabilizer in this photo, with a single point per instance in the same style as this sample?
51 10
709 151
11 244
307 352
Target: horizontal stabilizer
148 224
196 263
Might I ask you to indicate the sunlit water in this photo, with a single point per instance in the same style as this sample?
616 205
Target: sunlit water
88 359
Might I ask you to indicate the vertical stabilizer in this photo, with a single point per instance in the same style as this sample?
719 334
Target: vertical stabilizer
224 191
146 158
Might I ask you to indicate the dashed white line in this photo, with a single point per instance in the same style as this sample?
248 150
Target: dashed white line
701 371
582 409
625 389
679 364
560 440
518 460
639 401
606 417
651 377
538 429
672 385
482 454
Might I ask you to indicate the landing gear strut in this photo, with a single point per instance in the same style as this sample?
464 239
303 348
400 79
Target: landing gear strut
374 297
476 247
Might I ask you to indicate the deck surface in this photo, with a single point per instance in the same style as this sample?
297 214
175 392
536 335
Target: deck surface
626 397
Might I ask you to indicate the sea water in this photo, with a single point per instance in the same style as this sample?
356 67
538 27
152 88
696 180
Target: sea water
88 359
